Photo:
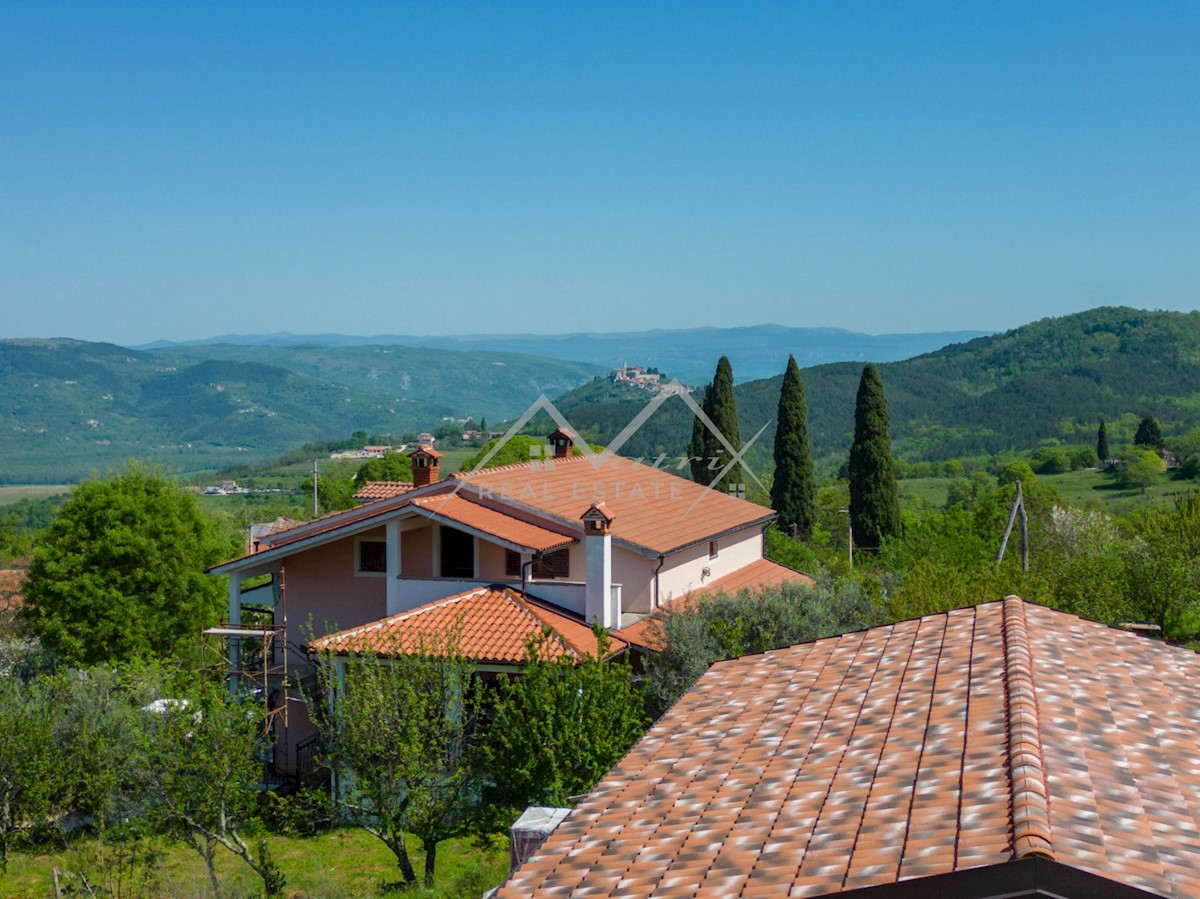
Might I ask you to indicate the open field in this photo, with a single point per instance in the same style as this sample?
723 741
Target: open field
11 493
342 863
1086 489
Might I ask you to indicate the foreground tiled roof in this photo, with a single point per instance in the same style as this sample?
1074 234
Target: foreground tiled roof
962 745
759 574
653 508
373 490
458 510
12 583
492 624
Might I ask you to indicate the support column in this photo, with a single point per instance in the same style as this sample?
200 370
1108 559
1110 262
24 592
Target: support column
393 567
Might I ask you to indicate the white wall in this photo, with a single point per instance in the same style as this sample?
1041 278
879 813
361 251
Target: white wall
683 571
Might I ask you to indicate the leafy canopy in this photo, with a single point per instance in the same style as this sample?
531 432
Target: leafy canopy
120 574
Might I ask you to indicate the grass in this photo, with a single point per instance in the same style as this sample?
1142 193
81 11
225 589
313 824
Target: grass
1084 489
342 863
15 493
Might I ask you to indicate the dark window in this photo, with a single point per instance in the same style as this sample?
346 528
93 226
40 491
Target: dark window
372 556
553 565
512 563
712 549
458 554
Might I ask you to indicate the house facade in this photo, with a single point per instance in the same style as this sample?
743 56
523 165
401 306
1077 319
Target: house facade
564 540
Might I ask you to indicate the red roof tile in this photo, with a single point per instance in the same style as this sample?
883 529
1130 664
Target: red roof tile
652 508
492 624
759 574
373 490
952 742
459 510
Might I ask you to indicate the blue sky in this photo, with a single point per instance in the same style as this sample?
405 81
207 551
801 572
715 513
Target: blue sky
179 170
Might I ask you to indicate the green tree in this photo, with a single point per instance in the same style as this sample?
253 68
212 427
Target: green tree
518 448
1141 471
1102 451
874 503
202 756
1148 435
700 447
724 415
388 467
558 726
402 742
120 574
794 490
29 759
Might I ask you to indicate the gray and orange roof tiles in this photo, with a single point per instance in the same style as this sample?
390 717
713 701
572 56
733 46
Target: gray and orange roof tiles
974 738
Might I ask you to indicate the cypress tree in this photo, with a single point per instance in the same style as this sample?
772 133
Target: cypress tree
1102 443
1149 435
698 446
874 504
794 492
724 415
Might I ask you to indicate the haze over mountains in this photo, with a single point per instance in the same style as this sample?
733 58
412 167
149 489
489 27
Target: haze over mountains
689 354
71 407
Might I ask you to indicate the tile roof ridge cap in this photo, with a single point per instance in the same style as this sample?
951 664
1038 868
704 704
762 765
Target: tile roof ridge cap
1030 799
535 464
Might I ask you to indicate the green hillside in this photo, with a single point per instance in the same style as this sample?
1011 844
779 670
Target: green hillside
71 407
1050 380
474 383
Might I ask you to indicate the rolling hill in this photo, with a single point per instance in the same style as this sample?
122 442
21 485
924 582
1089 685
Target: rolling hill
72 407
1052 379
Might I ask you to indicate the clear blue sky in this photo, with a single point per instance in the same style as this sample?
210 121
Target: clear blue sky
179 170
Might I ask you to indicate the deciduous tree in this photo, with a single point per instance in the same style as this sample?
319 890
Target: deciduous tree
120 573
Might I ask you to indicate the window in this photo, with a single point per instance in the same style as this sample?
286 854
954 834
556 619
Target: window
551 565
371 557
458 553
712 549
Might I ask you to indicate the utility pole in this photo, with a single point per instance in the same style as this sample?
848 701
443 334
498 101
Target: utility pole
1018 508
316 508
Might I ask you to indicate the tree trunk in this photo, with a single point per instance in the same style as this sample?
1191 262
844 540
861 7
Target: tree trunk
402 860
430 847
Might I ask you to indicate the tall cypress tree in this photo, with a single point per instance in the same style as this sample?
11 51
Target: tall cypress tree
1102 443
698 447
794 492
874 504
724 415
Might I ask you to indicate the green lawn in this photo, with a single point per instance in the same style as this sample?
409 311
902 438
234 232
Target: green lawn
15 493
343 863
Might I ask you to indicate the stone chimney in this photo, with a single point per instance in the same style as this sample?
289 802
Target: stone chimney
597 541
424 465
563 442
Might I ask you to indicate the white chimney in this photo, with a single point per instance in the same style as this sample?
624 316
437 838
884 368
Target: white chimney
598 604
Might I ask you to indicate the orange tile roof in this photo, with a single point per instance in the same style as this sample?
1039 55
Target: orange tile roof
655 510
652 508
373 490
492 624
1002 737
759 574
459 510
12 585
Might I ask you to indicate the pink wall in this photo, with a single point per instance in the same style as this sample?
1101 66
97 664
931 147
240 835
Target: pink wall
416 552
321 583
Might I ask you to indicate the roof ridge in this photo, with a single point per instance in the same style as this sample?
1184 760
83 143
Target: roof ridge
512 466
1030 802
521 601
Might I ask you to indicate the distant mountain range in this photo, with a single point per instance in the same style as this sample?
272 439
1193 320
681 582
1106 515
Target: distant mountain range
1052 380
71 407
689 354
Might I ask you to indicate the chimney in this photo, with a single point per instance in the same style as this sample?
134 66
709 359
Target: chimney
563 442
424 465
597 541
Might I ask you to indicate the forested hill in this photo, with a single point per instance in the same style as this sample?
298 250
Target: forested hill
1052 379
71 407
